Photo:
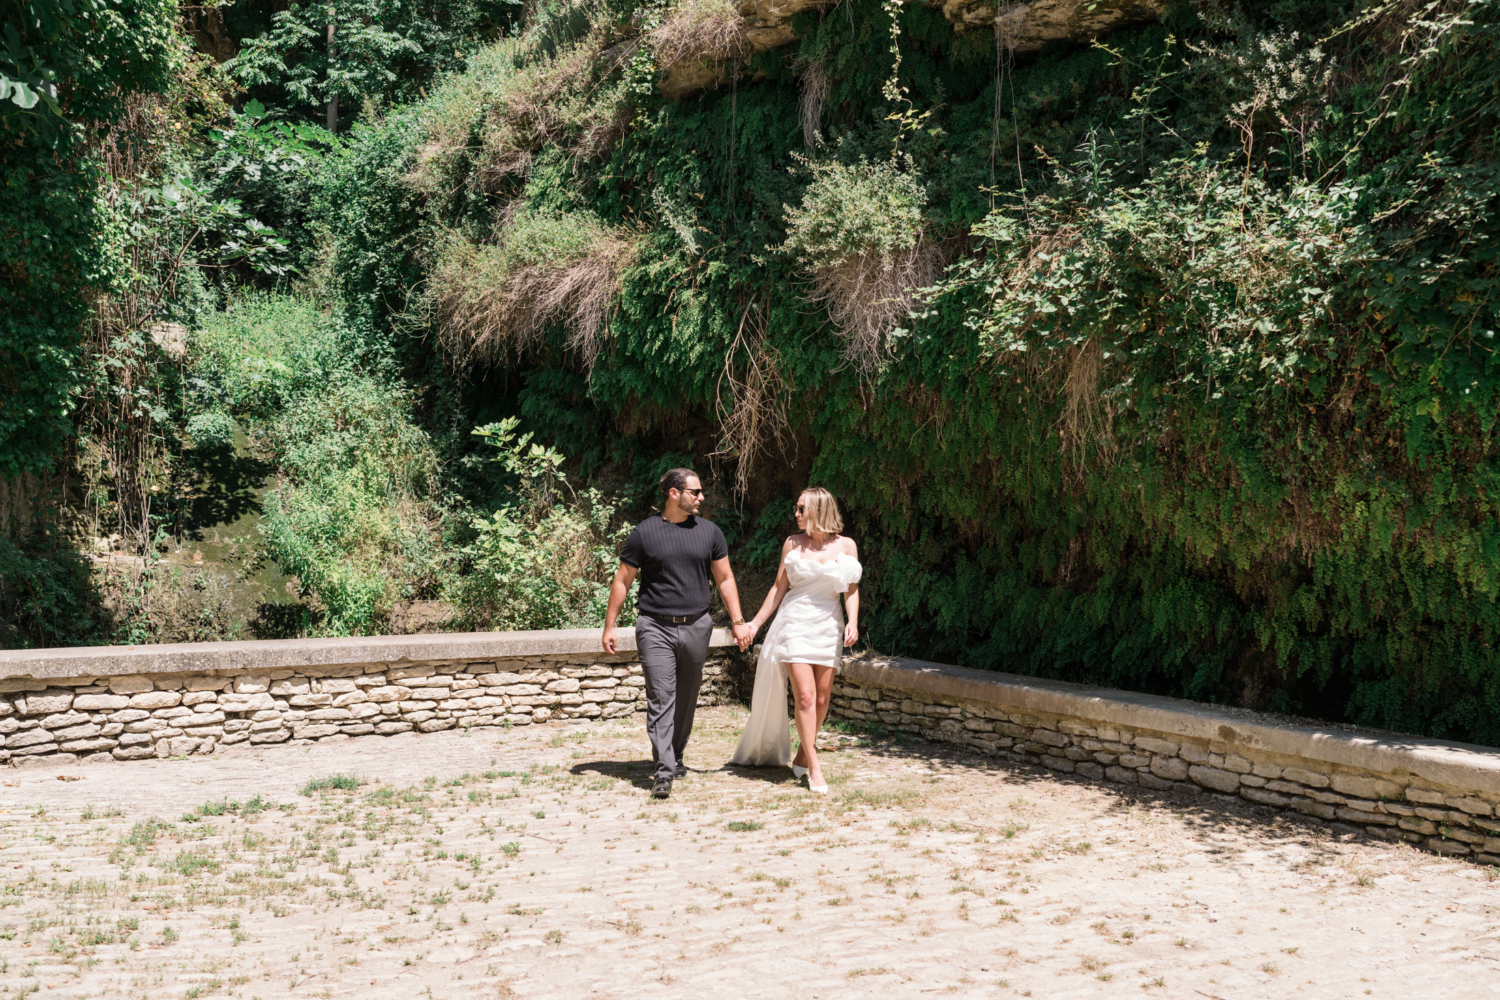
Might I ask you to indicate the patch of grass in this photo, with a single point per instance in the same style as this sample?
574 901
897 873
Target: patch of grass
332 782
744 826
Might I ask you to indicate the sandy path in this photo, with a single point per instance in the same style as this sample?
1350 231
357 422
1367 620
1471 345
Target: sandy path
531 863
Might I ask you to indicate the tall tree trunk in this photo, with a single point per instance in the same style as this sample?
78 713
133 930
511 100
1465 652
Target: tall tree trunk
333 99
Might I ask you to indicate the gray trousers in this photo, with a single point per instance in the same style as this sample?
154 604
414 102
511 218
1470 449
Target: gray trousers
672 659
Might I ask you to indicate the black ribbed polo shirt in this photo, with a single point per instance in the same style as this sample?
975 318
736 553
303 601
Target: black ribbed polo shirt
674 563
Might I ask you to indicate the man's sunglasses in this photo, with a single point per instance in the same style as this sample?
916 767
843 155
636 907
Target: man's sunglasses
696 493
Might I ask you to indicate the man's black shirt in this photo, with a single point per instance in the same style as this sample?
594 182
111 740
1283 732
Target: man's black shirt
674 563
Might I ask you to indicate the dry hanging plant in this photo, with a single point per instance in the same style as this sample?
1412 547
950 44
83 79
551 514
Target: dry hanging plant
704 30
546 269
752 405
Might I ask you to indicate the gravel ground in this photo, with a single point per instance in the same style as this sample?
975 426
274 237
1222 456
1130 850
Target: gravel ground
531 862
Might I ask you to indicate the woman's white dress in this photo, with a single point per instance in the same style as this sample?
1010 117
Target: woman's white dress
808 628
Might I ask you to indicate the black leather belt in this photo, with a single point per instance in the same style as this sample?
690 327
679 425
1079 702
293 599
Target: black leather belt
673 619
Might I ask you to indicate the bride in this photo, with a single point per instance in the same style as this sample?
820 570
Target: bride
805 639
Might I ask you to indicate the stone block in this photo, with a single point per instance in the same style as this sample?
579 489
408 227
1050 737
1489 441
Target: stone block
391 728
389 693
1107 759
99 702
111 729
290 686
1470 805
133 752
348 698
1150 780
1075 754
174 712
1058 763
1264 797
1362 787
230 738
1237 764
1215 778
310 700
48 702
192 699
1302 776
1268 771
428 693
85 745
313 730
1047 737
130 684
1134 760
417 718
1170 768
260 702
35 750
1491 845
1311 808
364 710
541 714
1439 846
1426 796
27 738
518 719
1349 815
1153 745
1253 781
1193 753
129 715
270 736
1090 770
86 731
433 725
179 746
335 685
134 739
329 714
1123 775
413 670
417 706
1467 836
199 684
357 728
565 685
155 699
252 684
1418 825
64 719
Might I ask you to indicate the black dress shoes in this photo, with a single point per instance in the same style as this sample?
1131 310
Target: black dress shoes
662 789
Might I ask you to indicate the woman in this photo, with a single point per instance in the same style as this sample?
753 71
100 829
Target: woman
804 641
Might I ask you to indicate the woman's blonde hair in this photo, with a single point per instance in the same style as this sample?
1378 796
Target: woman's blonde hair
821 513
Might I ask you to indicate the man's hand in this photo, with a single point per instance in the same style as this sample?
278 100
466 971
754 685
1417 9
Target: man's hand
744 634
619 589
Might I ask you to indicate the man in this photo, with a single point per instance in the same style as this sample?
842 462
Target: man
674 552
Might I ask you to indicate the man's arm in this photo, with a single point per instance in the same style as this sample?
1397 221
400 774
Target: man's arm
729 591
619 589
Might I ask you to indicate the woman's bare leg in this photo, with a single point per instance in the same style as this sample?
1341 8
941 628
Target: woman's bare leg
823 682
805 696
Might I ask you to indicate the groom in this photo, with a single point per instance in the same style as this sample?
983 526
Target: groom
674 553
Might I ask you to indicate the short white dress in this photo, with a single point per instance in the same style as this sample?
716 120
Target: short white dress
808 628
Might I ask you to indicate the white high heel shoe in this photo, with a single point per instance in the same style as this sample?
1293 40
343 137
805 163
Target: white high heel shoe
799 772
818 789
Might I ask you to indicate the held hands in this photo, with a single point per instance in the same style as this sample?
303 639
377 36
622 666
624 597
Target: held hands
851 634
744 634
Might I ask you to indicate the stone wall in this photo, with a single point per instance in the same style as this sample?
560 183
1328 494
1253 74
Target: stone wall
1442 797
164 707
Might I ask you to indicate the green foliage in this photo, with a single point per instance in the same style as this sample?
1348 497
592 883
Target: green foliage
333 782
849 210
376 50
1201 407
545 558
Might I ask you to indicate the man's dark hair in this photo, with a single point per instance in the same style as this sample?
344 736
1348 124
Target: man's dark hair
675 479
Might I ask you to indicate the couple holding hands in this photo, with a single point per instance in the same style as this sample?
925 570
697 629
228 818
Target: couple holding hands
675 553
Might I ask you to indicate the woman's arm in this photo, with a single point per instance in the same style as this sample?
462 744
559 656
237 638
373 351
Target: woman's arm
851 602
776 593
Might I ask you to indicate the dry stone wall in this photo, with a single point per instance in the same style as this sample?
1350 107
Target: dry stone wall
1220 754
171 714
